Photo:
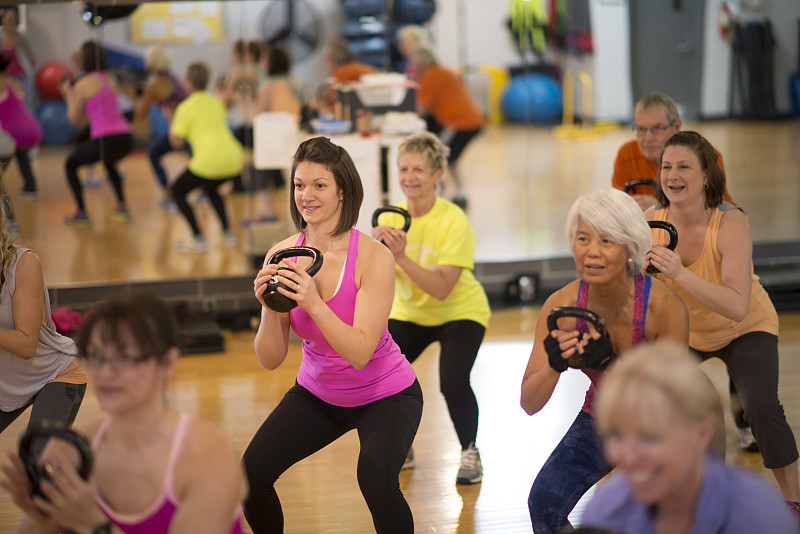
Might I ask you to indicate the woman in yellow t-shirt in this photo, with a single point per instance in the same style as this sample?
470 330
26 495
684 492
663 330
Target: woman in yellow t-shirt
216 154
437 297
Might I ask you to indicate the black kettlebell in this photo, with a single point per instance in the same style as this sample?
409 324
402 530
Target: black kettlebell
46 430
634 183
275 300
392 209
673 240
576 361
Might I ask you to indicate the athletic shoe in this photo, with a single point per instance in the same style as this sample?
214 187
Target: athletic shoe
409 463
168 205
471 470
30 196
794 507
229 238
91 181
78 220
747 442
121 214
192 244
246 223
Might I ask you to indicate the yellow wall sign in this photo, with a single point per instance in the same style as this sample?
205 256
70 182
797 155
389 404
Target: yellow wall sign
177 22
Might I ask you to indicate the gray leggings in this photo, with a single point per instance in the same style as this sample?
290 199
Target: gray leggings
56 401
752 362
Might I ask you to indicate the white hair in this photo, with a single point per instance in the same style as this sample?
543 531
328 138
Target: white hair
616 216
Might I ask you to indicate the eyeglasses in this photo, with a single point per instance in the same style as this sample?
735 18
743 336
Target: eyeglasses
95 360
656 130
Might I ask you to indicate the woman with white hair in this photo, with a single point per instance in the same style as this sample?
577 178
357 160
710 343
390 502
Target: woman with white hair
609 238
656 414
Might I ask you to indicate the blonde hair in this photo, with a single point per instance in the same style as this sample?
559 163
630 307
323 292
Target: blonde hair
8 242
413 37
158 58
652 382
616 216
423 57
429 146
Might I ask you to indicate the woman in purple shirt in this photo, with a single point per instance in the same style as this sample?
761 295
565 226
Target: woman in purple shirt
353 375
656 414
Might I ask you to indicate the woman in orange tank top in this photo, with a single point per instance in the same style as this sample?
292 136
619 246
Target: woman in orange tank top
730 314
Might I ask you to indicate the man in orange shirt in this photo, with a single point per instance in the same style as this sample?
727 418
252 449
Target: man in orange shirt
655 119
446 105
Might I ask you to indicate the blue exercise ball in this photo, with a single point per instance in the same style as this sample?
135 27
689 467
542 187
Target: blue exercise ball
159 126
52 115
532 98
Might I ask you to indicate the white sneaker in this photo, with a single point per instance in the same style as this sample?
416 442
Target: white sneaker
229 238
471 470
409 463
747 442
192 244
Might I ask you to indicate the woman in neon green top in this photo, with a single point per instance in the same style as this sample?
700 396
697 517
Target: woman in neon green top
216 154
437 297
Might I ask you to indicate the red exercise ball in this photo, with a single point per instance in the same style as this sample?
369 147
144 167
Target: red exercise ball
49 77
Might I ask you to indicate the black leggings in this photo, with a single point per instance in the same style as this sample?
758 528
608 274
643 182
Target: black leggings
189 181
459 342
109 149
56 401
302 424
752 362
24 163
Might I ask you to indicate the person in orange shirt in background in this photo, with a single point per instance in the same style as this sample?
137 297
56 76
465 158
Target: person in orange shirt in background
446 105
342 68
655 119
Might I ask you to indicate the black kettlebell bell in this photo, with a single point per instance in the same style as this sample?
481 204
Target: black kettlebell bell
392 209
576 361
275 300
673 240
640 181
46 430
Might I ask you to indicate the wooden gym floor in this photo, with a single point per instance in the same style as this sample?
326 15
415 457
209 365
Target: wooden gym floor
520 182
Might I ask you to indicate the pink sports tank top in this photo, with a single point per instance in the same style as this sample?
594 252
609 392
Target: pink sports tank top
330 377
157 518
103 112
16 120
641 294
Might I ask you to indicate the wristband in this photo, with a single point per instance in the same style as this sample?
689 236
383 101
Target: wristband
557 362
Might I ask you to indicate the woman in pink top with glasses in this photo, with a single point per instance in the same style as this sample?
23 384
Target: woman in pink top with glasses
155 469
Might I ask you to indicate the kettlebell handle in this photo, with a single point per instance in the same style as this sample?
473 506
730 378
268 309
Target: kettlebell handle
275 300
36 473
673 240
579 313
392 209
635 183
293 252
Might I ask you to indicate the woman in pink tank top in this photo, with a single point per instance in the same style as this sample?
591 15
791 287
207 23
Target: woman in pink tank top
186 475
732 316
353 375
608 236
93 97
